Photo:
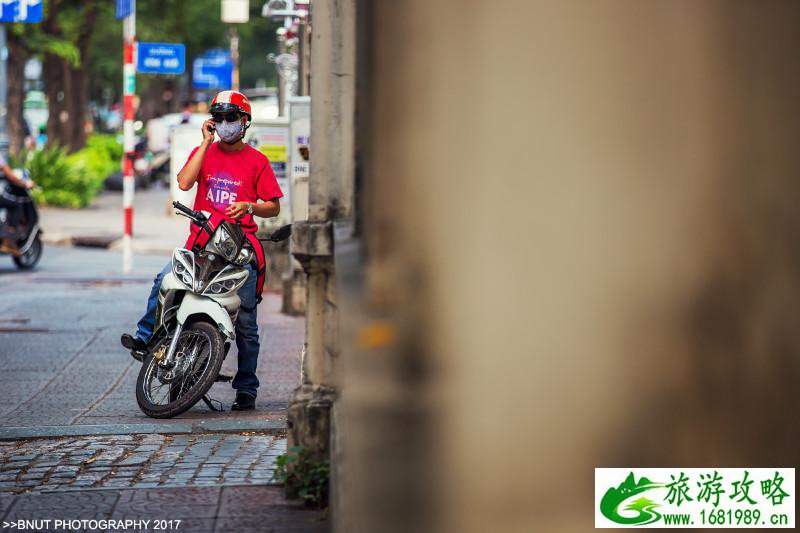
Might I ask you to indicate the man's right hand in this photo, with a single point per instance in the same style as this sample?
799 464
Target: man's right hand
208 131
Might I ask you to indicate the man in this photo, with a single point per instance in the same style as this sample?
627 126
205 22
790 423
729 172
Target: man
186 115
11 230
231 177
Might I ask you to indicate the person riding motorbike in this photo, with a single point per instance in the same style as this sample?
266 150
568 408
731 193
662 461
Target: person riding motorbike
231 177
11 229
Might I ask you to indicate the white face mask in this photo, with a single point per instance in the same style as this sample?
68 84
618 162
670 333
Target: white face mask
230 132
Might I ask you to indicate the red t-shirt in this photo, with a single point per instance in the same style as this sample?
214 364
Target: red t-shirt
228 177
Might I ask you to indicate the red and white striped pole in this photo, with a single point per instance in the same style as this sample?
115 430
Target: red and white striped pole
128 92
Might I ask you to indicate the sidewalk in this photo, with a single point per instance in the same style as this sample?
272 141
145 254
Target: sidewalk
73 443
155 229
238 509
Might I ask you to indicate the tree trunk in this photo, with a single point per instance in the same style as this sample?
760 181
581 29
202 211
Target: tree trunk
77 106
78 97
57 86
150 92
159 97
56 83
67 86
17 56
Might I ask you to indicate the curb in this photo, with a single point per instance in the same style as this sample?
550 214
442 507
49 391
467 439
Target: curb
142 248
58 239
165 428
115 245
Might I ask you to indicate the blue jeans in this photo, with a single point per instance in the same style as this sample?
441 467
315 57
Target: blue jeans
246 329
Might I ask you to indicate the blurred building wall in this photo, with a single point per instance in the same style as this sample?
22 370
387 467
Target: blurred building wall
575 244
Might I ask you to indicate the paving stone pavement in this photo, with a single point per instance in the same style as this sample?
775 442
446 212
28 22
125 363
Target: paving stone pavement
216 483
241 509
138 461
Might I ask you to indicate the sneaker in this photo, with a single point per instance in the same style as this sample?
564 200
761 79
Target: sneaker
136 345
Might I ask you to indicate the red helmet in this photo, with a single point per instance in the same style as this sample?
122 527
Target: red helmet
227 101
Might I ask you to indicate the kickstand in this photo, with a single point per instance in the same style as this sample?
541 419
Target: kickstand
211 405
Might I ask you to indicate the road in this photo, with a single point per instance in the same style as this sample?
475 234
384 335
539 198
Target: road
70 425
59 344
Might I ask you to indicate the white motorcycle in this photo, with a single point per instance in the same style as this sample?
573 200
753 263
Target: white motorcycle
197 308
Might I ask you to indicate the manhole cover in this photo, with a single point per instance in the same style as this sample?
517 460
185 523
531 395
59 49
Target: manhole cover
94 241
4 329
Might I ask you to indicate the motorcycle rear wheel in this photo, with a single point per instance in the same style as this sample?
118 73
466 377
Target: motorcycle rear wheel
158 399
31 257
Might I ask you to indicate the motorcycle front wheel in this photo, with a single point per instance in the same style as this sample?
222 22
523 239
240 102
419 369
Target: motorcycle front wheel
198 355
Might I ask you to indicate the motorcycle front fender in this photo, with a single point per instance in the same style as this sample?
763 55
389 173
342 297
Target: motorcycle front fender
193 305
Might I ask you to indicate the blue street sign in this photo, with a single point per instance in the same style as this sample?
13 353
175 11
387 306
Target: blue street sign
161 58
123 8
213 70
30 11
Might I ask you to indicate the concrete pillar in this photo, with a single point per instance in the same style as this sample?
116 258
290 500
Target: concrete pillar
332 109
330 192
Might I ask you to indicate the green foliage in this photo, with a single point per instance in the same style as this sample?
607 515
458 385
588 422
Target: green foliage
59 182
39 42
101 156
105 57
196 24
18 160
256 40
73 180
304 475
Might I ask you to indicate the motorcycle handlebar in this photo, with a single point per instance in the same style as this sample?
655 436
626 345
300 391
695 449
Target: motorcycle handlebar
196 216
182 208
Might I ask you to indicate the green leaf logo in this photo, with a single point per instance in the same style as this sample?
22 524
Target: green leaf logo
629 488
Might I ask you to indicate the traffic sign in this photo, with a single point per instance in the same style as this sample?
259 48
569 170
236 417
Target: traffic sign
21 10
161 58
213 70
123 8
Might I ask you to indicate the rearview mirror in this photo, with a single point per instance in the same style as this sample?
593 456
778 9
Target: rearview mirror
281 234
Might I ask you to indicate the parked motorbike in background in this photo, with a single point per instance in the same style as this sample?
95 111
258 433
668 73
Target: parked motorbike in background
25 236
142 169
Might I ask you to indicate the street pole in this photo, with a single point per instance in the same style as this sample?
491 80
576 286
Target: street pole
281 33
302 58
235 56
128 92
3 93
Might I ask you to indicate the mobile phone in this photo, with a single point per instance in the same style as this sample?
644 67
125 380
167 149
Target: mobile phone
212 129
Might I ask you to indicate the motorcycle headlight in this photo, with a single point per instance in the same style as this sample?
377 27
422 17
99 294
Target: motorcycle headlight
224 244
219 288
227 281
